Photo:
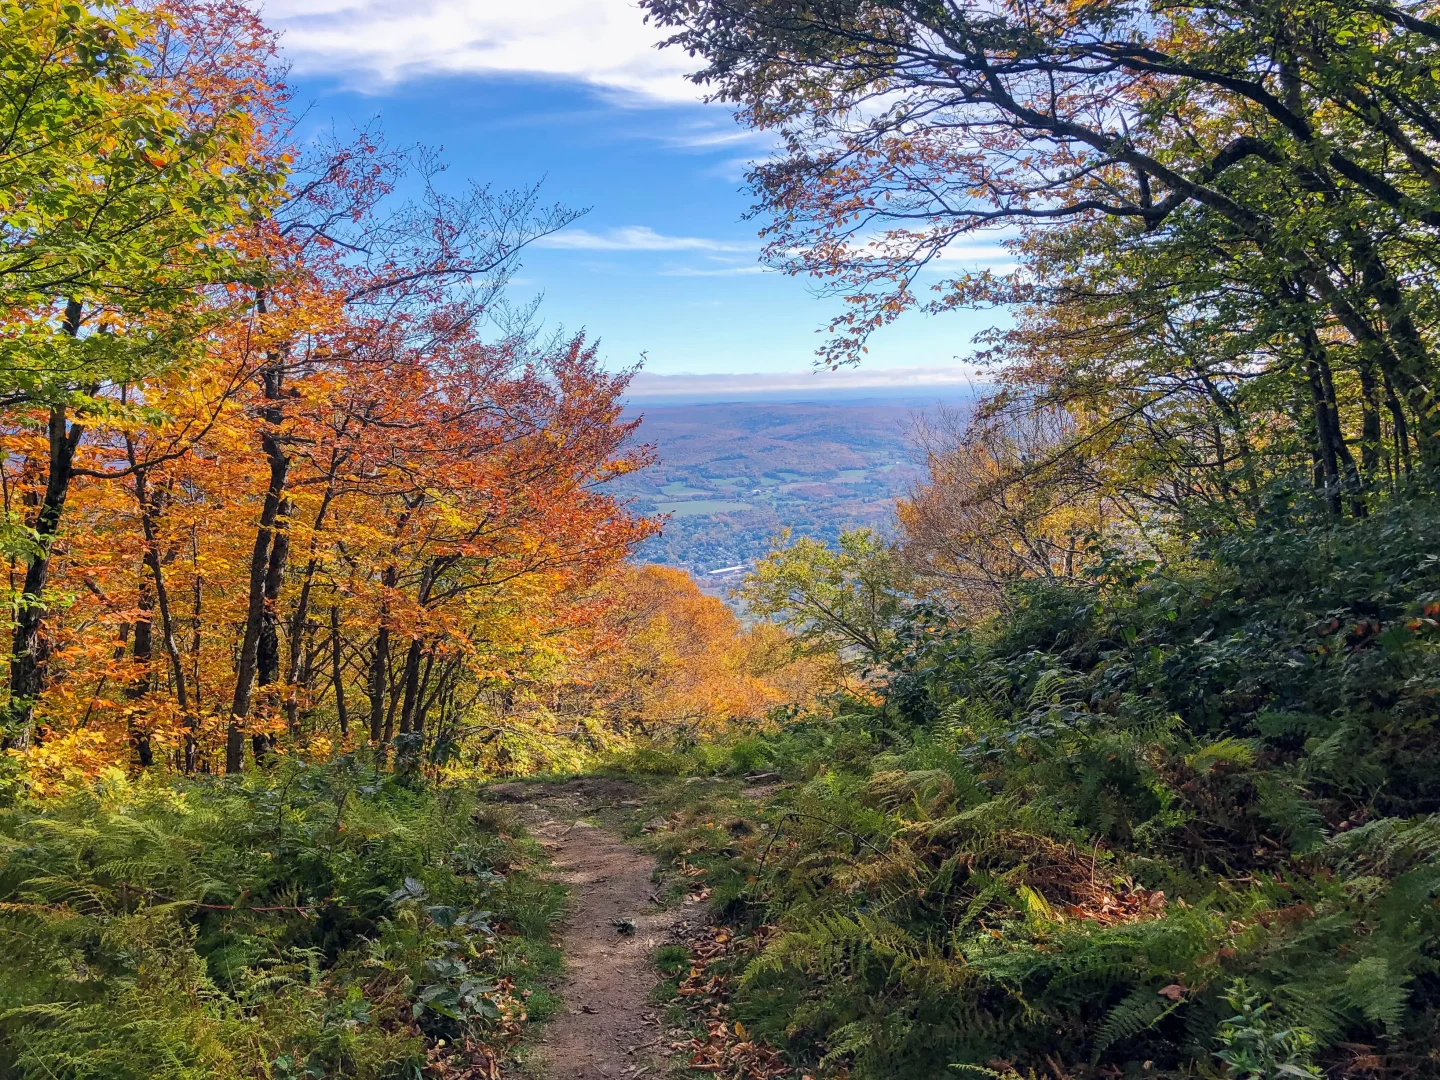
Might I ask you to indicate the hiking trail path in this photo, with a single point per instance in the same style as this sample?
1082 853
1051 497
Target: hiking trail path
608 1027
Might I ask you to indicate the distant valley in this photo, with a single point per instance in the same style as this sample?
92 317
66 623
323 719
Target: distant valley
733 475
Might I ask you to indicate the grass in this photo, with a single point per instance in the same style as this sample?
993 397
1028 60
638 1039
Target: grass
679 487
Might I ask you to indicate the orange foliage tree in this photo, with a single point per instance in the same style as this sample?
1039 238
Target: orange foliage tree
644 653
280 486
680 659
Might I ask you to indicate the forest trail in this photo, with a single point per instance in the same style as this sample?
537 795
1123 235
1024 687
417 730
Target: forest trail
608 1027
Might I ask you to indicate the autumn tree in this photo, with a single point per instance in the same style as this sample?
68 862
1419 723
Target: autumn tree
359 267
130 159
1003 501
491 477
263 459
681 661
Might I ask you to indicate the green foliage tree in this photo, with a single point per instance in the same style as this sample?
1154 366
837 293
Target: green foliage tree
845 599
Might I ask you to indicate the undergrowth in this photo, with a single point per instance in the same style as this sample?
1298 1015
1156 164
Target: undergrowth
304 921
1184 821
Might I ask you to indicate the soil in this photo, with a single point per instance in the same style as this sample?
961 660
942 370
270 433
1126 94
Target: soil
608 1028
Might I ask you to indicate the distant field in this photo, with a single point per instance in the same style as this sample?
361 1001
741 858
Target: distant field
676 488
813 468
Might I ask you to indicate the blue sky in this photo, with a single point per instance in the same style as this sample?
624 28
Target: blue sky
572 91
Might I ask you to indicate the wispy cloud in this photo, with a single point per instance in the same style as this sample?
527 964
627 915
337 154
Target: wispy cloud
712 132
605 43
985 255
716 271
635 238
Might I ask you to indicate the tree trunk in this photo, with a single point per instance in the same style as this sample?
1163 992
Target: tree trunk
420 706
380 666
1409 369
27 663
298 620
1325 438
260 566
148 514
192 746
1351 479
337 670
412 685
142 654
1400 430
267 653
382 720
1370 437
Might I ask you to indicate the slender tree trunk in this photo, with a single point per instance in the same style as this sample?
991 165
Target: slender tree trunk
122 642
267 653
301 615
392 707
1370 436
382 720
172 645
412 685
1400 430
380 666
437 693
337 668
1325 438
148 514
142 655
27 662
192 747
260 567
1353 483
421 704
1410 369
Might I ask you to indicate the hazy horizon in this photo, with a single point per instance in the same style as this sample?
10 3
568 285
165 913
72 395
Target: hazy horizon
914 386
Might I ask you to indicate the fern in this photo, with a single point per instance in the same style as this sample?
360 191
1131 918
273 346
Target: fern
1139 1011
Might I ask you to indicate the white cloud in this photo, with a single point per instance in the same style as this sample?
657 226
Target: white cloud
634 238
606 43
721 271
707 135
976 257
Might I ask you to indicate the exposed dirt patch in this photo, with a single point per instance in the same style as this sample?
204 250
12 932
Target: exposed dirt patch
588 793
608 1029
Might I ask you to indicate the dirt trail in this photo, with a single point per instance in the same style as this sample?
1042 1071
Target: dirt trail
609 1028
